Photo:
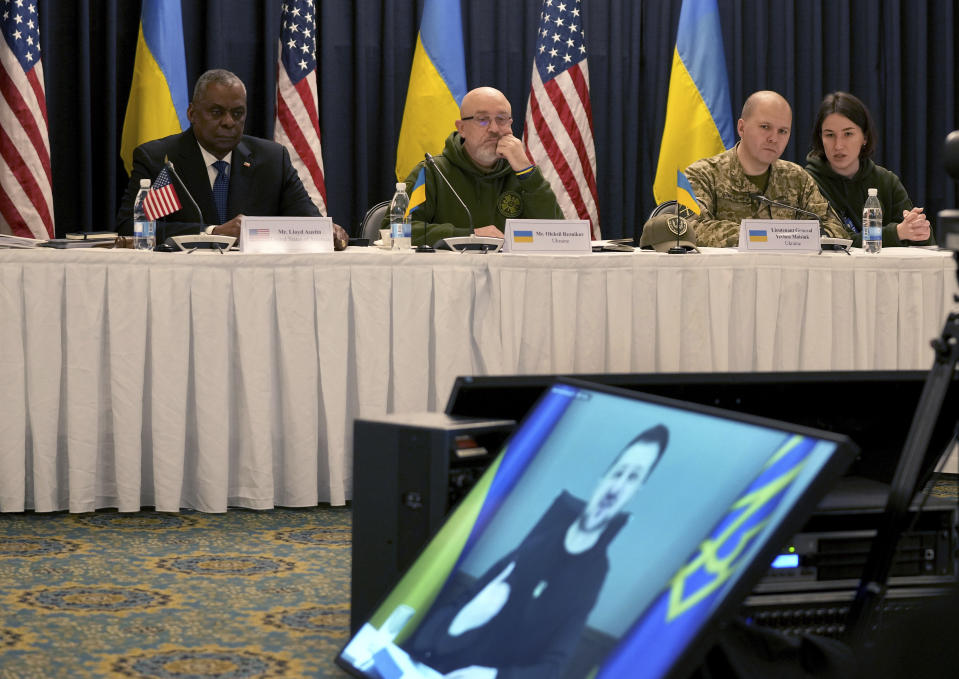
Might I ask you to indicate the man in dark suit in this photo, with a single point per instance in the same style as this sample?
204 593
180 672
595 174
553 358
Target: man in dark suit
213 157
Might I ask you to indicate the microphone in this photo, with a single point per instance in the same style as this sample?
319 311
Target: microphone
775 203
828 242
950 154
172 170
797 210
429 159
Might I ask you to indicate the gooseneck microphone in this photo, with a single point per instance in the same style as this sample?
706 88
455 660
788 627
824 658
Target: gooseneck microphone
775 203
172 170
432 162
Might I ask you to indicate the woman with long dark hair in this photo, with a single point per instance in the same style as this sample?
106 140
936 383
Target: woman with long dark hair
843 140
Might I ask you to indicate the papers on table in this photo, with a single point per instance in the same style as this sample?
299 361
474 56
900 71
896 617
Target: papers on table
10 241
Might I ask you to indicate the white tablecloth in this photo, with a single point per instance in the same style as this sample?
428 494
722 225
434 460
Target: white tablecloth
208 381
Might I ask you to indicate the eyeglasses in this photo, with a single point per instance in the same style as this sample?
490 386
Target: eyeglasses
484 121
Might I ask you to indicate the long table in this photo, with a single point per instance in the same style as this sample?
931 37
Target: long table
205 381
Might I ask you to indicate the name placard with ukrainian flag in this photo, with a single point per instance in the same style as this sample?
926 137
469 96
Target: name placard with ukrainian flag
547 235
779 235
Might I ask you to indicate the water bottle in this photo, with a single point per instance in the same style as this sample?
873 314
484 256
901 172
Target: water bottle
401 231
872 223
144 229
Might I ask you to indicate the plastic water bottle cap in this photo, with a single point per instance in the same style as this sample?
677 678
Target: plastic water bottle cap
873 192
401 186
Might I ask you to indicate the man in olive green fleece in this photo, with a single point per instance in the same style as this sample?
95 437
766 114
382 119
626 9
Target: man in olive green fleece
490 171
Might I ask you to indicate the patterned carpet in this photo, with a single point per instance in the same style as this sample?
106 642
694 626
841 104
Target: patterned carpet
240 595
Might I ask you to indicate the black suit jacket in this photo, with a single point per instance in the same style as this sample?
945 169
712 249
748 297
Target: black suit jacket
263 182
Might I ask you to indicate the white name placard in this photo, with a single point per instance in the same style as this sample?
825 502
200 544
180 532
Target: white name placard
286 234
547 235
778 235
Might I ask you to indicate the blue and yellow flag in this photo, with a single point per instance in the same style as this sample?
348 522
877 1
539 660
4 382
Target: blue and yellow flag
437 85
699 119
685 195
676 617
418 194
158 93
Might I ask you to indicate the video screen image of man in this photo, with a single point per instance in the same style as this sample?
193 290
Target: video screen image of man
541 592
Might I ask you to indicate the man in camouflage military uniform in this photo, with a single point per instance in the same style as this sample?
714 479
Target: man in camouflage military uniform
489 169
726 184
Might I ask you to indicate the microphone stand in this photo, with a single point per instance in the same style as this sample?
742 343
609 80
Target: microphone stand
677 249
172 170
827 242
796 210
432 162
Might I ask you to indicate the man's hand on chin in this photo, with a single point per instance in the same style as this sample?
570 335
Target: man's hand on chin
511 148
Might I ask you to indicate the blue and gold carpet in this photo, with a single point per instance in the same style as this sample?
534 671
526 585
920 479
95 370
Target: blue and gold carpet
145 595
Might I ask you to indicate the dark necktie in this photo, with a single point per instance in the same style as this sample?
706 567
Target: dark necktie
221 188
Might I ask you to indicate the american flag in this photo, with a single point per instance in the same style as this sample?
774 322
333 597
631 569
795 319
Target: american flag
26 194
297 124
559 117
162 199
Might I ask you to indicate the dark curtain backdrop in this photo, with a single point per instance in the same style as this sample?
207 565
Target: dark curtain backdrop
898 56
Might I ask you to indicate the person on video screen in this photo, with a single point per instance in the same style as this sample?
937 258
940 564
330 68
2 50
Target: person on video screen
524 616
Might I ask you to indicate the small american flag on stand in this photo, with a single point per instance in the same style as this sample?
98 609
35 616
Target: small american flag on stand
559 118
162 199
297 124
26 192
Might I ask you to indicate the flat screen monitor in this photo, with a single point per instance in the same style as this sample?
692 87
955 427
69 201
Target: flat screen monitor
614 531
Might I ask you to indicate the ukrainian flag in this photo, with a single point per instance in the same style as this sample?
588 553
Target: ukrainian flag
418 194
437 85
758 235
699 119
685 195
158 93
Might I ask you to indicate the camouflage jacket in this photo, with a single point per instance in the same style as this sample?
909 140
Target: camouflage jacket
724 191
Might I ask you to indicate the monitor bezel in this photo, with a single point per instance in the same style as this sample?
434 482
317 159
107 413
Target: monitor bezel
822 400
